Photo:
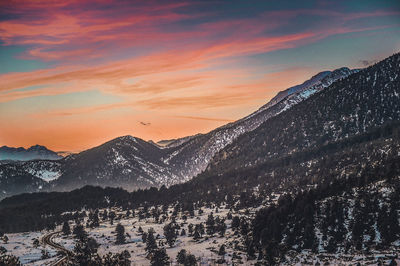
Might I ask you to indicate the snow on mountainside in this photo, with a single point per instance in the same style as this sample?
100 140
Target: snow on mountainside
193 155
349 107
133 163
14 180
127 162
45 169
32 153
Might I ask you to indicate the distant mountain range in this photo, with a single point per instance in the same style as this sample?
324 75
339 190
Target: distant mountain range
133 163
33 153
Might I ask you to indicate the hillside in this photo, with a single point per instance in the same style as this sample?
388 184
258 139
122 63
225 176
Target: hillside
133 163
348 107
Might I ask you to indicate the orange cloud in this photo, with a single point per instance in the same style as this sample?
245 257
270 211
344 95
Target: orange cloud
168 69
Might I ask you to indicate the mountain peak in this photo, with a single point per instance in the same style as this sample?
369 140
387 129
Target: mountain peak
37 147
32 153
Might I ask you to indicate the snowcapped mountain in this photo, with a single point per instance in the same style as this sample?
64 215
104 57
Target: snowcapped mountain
33 153
127 162
133 163
347 108
190 156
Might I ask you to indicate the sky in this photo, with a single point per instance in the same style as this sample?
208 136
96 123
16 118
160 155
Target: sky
75 73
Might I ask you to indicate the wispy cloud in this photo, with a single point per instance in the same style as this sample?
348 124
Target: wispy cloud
170 58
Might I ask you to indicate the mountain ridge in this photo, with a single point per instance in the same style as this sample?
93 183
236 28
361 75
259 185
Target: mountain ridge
171 162
35 152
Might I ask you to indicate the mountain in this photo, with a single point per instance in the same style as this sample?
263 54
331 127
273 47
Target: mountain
33 153
126 161
133 163
316 183
190 156
15 180
348 107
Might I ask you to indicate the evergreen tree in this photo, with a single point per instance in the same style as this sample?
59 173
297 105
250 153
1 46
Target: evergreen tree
170 234
221 250
112 216
144 237
66 230
151 244
181 257
94 219
85 252
79 232
196 235
190 260
190 228
159 258
221 227
235 222
36 243
120 229
185 258
210 224
183 232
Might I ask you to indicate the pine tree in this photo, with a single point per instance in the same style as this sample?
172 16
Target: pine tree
120 234
111 215
36 243
221 227
79 232
210 223
144 237
185 258
160 258
170 233
151 244
95 222
221 250
190 229
181 257
190 260
66 229
235 222
196 235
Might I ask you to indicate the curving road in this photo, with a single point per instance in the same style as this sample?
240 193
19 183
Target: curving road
48 240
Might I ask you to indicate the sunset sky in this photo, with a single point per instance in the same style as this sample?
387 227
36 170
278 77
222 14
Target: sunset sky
75 73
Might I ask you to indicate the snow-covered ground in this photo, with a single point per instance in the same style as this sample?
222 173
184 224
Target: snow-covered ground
21 245
205 249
